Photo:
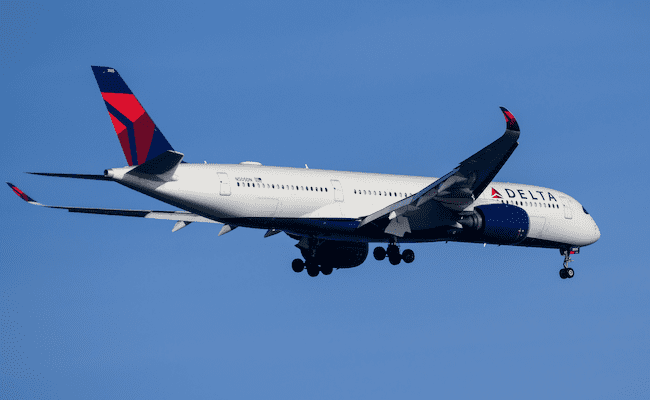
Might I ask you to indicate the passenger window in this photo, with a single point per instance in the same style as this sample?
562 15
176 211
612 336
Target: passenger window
355 191
326 189
237 183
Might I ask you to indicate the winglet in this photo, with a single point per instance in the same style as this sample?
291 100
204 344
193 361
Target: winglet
21 194
510 120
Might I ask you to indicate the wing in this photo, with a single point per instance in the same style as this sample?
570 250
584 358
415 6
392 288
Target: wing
184 218
453 192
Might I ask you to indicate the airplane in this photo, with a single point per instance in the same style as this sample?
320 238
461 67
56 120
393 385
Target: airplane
334 215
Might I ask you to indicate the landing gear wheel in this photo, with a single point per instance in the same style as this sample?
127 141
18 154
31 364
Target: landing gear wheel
326 270
379 253
394 259
313 270
393 251
297 265
408 256
567 272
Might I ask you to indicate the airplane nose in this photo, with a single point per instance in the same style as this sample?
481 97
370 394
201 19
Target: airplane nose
596 232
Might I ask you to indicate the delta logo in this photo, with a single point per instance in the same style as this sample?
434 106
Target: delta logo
522 195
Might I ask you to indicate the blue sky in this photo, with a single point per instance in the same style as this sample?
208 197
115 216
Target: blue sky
109 307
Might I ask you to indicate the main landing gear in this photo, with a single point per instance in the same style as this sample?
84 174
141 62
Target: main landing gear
567 272
394 256
313 269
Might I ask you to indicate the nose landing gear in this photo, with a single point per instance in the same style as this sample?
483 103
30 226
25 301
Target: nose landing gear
567 272
394 256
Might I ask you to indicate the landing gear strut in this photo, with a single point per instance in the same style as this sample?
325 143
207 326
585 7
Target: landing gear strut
394 256
566 272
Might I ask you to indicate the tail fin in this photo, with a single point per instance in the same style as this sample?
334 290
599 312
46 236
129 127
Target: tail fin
139 136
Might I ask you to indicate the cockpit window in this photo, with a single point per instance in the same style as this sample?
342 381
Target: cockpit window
583 209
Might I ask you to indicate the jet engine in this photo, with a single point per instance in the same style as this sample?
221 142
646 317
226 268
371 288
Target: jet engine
498 223
339 254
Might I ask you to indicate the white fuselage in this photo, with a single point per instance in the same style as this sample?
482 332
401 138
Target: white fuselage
227 192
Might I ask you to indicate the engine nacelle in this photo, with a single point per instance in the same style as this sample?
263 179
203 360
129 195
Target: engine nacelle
340 254
499 223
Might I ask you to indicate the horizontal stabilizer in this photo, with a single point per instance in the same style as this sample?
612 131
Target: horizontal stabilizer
76 176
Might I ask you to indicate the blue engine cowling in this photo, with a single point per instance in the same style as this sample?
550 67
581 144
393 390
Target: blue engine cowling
340 254
502 223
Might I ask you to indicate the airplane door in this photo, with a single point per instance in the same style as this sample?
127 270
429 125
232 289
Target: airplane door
338 190
224 189
567 207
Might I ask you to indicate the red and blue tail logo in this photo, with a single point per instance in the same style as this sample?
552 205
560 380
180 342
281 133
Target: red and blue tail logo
140 138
